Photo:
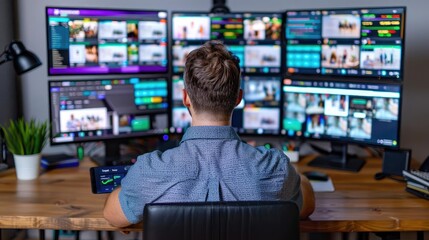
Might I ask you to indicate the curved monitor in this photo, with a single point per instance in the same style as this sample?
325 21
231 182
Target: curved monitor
106 41
107 109
254 37
359 42
348 112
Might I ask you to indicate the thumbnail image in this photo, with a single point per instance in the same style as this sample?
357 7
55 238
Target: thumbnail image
261 118
178 86
336 126
91 54
180 53
263 28
295 102
181 118
77 54
361 103
91 29
341 26
112 30
315 124
76 30
337 105
112 53
381 58
315 103
293 121
386 108
262 56
133 54
152 53
360 127
191 28
132 31
152 30
262 90
83 119
340 56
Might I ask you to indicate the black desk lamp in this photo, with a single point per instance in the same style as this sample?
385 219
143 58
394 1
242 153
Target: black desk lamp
23 61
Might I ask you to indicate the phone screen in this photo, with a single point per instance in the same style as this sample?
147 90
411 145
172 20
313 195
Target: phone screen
105 179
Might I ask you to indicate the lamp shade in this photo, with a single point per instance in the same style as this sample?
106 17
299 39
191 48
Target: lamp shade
23 60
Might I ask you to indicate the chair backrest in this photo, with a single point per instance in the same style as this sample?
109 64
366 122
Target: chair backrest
255 220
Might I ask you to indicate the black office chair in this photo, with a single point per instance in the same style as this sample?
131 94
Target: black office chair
257 220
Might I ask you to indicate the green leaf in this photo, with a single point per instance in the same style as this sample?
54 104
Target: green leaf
25 138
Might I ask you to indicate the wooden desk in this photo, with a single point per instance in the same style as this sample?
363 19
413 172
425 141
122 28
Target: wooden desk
362 204
62 199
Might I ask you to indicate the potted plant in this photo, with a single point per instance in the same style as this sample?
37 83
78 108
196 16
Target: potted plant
25 140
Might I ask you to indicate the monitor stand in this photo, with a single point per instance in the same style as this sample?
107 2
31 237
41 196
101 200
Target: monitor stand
338 159
113 156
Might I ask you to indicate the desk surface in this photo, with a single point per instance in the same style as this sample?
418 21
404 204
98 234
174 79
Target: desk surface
62 199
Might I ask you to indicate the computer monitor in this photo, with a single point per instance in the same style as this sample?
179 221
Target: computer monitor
357 42
343 113
108 110
255 38
106 41
259 112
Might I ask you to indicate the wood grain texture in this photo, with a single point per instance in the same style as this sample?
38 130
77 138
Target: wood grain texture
62 199
362 204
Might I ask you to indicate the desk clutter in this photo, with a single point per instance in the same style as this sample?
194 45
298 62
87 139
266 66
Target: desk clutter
417 183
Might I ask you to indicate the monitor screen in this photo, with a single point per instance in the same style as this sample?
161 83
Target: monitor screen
258 112
106 41
366 113
348 42
93 110
254 38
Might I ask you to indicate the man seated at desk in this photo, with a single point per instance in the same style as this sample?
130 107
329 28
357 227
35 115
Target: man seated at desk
211 163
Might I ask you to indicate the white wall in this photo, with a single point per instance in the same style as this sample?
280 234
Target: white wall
415 127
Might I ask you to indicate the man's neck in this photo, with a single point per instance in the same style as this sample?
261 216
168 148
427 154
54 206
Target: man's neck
210 120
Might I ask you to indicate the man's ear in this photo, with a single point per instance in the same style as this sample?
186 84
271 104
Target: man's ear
239 98
186 101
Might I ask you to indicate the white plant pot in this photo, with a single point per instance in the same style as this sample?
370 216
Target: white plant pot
27 166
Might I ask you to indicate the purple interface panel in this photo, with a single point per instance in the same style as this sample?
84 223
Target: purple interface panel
106 41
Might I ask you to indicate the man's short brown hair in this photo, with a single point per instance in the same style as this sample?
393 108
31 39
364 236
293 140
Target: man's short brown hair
212 78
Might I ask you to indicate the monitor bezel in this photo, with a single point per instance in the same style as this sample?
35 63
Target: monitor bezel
333 77
167 18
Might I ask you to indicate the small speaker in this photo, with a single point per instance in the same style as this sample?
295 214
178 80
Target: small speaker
396 160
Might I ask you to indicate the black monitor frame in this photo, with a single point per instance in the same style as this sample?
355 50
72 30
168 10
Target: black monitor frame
161 70
353 76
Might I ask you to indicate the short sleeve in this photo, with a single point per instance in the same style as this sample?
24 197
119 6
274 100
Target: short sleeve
291 189
150 180
146 181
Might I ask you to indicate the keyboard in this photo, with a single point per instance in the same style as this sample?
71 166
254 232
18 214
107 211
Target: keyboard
421 174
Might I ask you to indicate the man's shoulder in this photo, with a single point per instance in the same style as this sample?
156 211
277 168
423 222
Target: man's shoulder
172 160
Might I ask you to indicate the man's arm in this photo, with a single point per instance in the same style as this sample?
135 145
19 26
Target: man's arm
113 211
308 200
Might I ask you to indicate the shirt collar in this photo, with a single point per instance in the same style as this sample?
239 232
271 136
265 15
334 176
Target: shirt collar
210 132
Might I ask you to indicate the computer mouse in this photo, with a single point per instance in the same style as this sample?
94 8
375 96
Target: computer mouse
317 176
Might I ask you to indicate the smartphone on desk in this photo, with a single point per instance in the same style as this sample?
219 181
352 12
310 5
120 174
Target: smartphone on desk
106 178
